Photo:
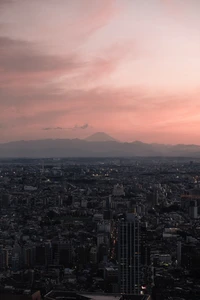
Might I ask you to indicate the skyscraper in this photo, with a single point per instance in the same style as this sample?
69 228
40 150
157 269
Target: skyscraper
179 248
129 254
193 209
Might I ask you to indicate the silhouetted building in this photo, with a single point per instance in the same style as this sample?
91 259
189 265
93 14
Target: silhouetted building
129 254
193 210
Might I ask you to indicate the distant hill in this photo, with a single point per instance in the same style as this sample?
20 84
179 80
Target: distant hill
100 137
97 145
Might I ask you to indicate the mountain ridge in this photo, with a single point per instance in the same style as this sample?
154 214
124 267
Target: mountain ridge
84 148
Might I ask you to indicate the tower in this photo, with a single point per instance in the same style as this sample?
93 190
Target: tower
129 254
179 248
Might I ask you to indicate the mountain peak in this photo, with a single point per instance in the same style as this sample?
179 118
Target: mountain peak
100 137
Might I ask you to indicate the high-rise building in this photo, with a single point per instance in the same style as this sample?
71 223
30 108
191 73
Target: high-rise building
29 256
40 255
5 200
16 257
193 209
65 254
179 247
129 254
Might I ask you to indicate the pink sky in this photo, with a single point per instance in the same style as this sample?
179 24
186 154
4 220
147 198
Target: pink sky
69 68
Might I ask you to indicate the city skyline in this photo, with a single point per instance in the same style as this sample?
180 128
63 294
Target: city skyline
127 68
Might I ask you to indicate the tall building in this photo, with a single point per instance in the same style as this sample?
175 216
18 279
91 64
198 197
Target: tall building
179 248
152 197
5 200
16 257
193 209
40 257
29 256
129 254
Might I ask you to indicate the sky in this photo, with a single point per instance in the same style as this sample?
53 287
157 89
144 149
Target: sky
130 68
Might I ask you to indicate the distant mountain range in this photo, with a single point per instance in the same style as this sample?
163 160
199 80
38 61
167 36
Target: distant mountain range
98 145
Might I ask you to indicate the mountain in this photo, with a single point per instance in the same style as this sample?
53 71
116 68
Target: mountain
98 145
100 137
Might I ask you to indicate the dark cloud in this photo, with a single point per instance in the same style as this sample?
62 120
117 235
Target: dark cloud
47 128
23 66
53 128
21 56
58 128
23 63
84 126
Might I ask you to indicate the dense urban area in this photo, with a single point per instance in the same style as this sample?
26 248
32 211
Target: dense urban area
100 228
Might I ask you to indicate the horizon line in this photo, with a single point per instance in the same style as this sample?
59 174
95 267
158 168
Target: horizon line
85 139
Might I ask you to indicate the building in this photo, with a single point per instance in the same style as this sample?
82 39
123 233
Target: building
65 252
118 190
111 279
28 256
129 254
16 257
5 200
93 255
179 248
93 296
193 210
153 198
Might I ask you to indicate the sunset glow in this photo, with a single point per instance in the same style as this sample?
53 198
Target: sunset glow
69 68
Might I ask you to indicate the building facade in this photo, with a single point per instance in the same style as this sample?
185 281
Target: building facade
129 254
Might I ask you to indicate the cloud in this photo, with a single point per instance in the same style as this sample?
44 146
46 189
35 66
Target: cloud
130 105
55 128
99 13
68 24
22 63
126 112
84 126
26 63
20 56
35 93
39 88
58 73
75 127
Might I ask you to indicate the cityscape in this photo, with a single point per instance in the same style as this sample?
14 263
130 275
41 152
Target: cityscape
99 150
95 228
